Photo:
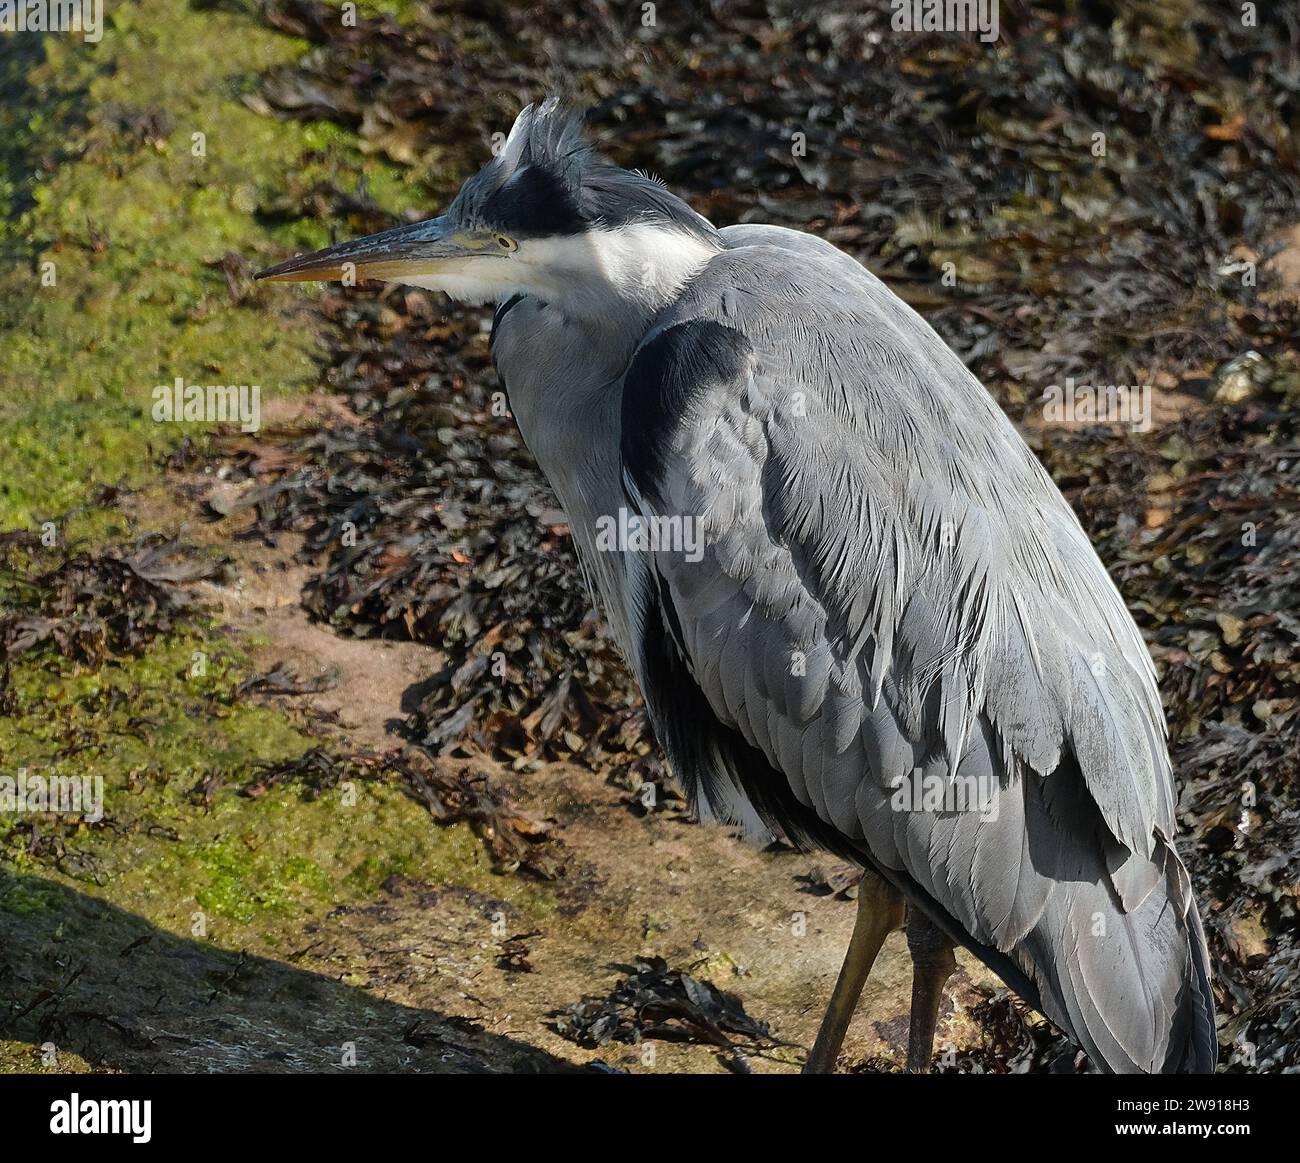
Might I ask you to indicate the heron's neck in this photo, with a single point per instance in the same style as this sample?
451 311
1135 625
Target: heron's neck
562 349
614 280
564 393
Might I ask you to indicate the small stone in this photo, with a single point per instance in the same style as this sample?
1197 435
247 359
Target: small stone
1232 627
1241 378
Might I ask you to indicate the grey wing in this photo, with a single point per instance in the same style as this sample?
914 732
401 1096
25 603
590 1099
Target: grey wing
898 641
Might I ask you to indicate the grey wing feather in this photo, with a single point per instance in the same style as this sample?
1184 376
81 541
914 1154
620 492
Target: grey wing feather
892 592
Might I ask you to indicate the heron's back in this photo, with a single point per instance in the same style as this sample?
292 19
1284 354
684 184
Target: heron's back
894 603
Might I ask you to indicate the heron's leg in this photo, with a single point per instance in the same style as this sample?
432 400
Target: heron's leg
932 965
880 912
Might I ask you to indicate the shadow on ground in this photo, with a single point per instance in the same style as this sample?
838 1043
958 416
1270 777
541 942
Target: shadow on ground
108 986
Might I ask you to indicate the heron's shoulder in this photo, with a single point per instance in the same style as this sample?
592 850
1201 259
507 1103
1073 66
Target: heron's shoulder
783 289
761 236
677 367
802 262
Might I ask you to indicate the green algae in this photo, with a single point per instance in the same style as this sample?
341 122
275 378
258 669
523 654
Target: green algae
23 1058
112 281
181 833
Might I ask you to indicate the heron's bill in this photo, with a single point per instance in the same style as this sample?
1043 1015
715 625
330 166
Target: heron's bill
419 249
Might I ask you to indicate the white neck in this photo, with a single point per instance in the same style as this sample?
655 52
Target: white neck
587 277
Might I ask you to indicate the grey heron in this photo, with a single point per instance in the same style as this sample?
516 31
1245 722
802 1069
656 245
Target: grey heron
894 641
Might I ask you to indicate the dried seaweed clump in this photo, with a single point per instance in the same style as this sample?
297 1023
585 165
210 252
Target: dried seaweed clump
95 605
656 1002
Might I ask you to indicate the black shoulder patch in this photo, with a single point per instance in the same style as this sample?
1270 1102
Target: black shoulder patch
665 377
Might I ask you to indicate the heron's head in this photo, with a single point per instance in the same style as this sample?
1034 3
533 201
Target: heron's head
545 217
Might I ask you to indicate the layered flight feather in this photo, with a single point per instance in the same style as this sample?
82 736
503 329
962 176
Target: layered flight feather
893 598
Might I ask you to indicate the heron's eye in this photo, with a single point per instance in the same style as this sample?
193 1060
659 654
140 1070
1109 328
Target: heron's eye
505 243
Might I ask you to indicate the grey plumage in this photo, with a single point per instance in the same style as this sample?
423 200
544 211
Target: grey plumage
1007 655
894 601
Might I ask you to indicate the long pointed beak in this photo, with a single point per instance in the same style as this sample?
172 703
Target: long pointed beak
405 251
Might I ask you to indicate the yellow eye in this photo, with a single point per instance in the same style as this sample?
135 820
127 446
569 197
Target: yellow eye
505 243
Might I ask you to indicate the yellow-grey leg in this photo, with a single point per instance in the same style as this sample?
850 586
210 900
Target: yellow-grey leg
932 964
880 912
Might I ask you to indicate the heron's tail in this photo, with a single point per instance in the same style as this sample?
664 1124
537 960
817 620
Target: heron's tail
1116 958
1202 1046
1134 986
